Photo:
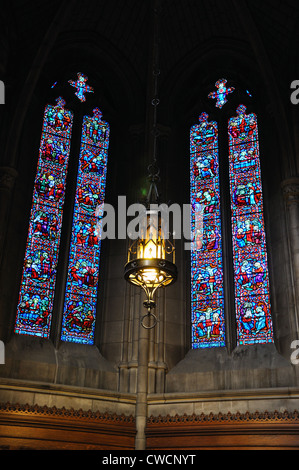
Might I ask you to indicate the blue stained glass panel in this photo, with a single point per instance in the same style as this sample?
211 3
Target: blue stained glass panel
254 324
79 315
34 311
207 297
222 92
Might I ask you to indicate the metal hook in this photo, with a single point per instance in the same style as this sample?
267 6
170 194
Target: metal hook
149 314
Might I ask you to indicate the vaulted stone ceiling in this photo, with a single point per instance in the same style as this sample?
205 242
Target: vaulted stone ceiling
185 25
34 33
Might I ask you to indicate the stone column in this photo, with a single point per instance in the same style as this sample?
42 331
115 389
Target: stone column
142 388
290 188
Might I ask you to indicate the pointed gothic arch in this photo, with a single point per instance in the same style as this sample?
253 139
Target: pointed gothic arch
36 309
250 277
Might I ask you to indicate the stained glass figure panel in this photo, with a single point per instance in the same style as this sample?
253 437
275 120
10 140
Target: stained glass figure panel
207 298
34 311
254 324
79 315
81 86
221 94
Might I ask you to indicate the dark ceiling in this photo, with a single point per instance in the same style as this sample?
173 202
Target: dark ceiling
186 26
251 39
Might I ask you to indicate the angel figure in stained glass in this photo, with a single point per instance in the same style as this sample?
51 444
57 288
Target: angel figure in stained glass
221 93
81 87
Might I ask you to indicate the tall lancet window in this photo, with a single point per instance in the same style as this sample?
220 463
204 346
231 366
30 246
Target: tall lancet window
254 324
250 279
39 301
34 312
207 301
83 271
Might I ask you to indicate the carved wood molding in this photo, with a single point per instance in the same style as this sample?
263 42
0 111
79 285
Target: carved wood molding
50 428
233 418
70 413
259 430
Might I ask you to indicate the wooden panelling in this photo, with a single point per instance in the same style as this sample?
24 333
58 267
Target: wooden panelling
231 431
44 428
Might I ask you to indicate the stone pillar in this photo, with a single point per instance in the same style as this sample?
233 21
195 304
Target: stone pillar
142 388
290 188
157 364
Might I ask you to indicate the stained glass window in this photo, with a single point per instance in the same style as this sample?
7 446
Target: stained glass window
221 93
250 266
79 315
252 300
34 311
81 87
207 299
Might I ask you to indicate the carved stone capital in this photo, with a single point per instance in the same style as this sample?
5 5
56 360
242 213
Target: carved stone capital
290 189
7 178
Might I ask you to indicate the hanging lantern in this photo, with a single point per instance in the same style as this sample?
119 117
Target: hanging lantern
151 257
